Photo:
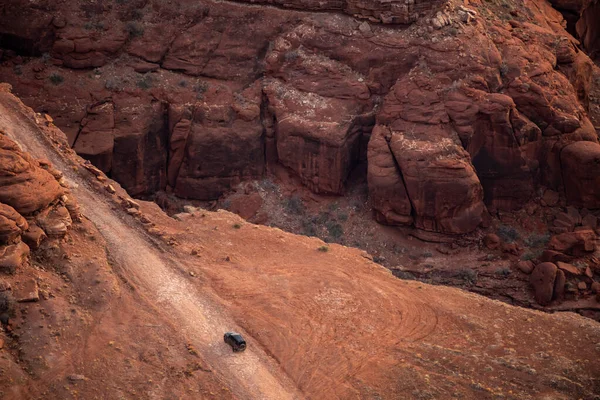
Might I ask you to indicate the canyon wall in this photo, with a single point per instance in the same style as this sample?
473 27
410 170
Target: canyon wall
458 110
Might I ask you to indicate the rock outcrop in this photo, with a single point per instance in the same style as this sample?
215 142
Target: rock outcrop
32 204
12 224
25 186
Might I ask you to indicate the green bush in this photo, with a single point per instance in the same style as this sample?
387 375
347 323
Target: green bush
335 230
508 233
294 205
145 82
134 29
56 79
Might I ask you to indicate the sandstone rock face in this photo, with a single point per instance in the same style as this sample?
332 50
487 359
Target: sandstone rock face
542 279
203 138
582 183
467 109
440 181
587 27
125 138
387 12
387 190
23 184
96 138
12 224
311 139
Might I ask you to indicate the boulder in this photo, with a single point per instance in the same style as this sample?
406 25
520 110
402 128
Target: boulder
525 266
542 279
589 273
246 205
564 220
491 241
571 269
559 285
23 184
28 291
574 243
12 257
34 236
590 221
12 224
511 248
54 221
551 197
555 256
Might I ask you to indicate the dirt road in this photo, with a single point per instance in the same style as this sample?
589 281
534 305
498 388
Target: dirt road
252 374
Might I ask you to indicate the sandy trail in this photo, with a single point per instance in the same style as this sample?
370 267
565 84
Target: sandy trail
252 374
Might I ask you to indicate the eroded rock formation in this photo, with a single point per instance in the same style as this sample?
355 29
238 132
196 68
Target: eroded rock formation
458 110
33 204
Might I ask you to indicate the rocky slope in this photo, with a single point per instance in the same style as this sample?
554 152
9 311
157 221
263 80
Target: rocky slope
458 110
132 303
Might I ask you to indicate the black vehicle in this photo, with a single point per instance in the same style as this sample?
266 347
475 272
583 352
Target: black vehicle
235 340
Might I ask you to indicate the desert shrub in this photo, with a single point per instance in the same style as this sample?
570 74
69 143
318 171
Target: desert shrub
7 303
528 256
404 275
290 55
503 69
236 226
113 84
200 88
294 205
379 259
134 29
335 230
537 240
137 14
507 233
323 249
468 275
309 228
145 82
333 206
503 272
56 79
96 25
